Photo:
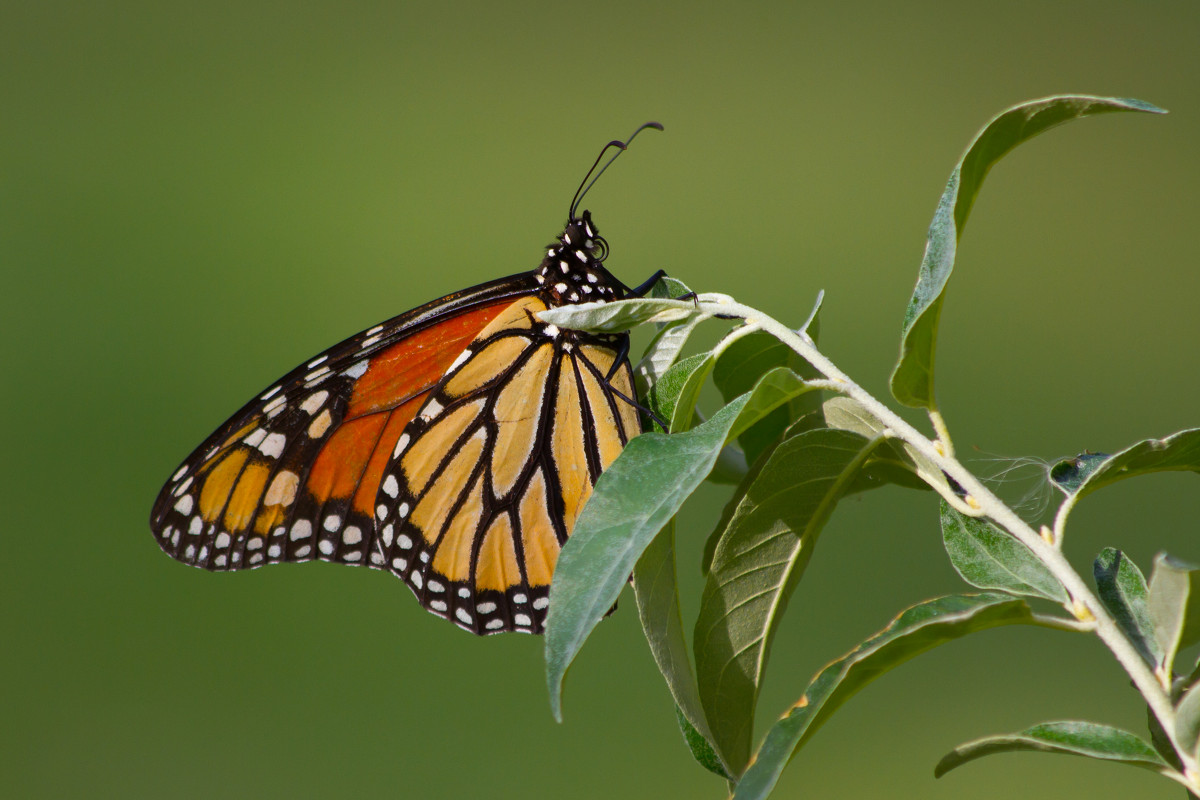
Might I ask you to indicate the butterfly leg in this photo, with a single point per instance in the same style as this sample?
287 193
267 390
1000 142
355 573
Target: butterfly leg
622 355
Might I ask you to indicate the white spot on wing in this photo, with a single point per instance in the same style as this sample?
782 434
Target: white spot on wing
272 446
462 614
320 424
352 535
462 359
269 393
184 505
541 603
358 370
314 401
333 523
431 410
404 541
325 546
401 443
196 526
522 619
301 530
255 437
316 361
222 540
179 473
485 608
390 487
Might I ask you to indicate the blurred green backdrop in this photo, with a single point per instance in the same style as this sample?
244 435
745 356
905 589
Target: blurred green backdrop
195 197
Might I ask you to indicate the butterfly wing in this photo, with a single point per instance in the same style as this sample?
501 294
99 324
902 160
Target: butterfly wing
294 474
484 485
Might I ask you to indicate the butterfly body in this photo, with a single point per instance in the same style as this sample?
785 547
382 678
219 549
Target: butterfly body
453 445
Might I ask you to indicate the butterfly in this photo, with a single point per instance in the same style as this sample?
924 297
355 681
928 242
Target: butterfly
453 445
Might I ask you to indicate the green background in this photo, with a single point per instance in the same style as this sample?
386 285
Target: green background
194 197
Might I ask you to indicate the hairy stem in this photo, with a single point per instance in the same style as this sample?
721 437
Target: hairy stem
989 505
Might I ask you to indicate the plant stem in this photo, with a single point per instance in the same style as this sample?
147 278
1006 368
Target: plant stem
991 506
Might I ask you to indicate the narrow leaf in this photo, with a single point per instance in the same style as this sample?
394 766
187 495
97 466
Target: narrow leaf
610 317
849 414
656 590
741 364
674 396
988 557
1080 476
920 628
1084 474
1122 589
1069 738
758 561
633 499
1187 720
702 749
1174 606
912 380
667 344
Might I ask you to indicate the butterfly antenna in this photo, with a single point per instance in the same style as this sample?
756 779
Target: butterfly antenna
583 189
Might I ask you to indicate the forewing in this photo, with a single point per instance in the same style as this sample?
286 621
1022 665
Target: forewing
294 474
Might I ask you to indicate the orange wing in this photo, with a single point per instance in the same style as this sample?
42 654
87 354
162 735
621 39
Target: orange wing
453 445
310 450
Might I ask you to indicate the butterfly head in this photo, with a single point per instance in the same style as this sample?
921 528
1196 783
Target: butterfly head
572 271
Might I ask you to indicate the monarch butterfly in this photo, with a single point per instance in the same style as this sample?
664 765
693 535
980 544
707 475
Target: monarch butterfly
453 445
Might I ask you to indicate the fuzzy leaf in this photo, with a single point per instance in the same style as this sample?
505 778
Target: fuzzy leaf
665 347
741 364
988 557
632 501
656 590
759 559
1122 589
1174 606
920 628
912 380
614 317
1080 476
1068 737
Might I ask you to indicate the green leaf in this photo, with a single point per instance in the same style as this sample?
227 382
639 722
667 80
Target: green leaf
1174 606
1070 474
920 628
1069 738
1080 476
614 317
759 559
849 414
912 380
656 590
988 557
674 396
1122 589
701 748
667 344
1187 720
632 501
741 364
